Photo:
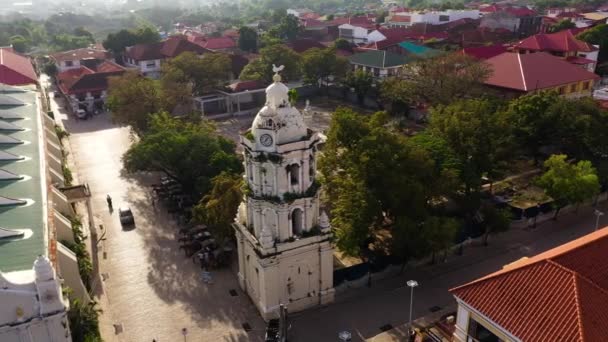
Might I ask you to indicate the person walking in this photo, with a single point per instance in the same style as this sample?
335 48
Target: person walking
109 200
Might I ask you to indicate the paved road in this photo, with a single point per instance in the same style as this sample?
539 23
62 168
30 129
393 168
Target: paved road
364 311
151 289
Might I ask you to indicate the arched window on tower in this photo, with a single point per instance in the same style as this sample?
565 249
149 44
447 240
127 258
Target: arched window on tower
293 174
311 168
297 223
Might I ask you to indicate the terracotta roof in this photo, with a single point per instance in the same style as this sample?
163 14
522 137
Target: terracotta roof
80 54
310 23
579 60
531 71
304 44
484 52
218 43
379 59
361 21
569 15
239 86
558 295
401 19
15 69
145 52
175 46
563 41
311 15
383 44
84 79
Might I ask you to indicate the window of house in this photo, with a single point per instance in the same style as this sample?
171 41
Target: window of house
573 88
444 18
586 85
69 63
561 90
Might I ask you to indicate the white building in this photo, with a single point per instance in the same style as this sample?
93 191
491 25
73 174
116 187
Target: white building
33 308
405 19
352 33
284 248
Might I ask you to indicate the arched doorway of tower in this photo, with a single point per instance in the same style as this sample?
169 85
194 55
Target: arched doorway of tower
297 224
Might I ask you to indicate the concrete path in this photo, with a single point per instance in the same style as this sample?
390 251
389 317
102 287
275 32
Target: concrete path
150 290
364 311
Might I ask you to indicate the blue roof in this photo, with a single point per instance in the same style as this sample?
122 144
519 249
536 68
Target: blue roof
420 50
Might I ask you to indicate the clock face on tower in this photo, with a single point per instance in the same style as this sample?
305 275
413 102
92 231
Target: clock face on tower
266 140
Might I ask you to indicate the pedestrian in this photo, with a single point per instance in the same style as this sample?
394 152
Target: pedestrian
109 200
153 201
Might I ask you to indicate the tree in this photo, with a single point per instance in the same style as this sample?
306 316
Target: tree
82 32
289 27
205 74
442 79
117 42
342 44
132 98
191 153
439 233
293 96
248 39
495 221
218 208
597 35
321 65
534 124
261 68
19 43
392 94
84 321
480 135
568 183
561 25
360 82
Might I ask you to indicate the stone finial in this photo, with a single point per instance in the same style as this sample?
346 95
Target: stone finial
276 70
43 269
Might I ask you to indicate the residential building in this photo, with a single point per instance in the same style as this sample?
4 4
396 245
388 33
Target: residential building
555 11
16 69
219 44
299 12
562 44
558 295
405 19
520 20
73 59
35 220
147 57
285 253
353 29
514 74
484 52
304 44
86 86
314 28
379 63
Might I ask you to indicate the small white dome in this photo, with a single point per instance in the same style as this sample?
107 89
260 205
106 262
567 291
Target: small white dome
276 95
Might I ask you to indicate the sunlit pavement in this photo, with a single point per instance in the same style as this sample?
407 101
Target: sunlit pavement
150 291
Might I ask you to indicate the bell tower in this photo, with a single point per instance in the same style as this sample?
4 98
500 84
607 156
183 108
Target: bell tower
284 248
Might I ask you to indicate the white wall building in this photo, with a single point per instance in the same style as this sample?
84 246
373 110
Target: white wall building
284 249
354 34
32 306
433 17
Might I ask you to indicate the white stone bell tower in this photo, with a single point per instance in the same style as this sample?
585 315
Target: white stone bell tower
284 248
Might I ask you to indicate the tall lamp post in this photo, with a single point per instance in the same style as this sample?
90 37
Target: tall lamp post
411 284
598 214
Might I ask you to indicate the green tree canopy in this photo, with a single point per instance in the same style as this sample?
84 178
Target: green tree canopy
248 39
494 221
323 64
568 183
117 42
597 35
360 82
561 25
132 98
19 43
261 68
204 74
218 208
191 153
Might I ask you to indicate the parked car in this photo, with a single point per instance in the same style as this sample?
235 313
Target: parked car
126 216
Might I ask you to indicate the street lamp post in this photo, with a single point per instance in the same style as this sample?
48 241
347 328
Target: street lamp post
597 218
411 284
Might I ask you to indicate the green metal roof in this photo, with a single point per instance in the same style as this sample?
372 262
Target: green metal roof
379 59
24 160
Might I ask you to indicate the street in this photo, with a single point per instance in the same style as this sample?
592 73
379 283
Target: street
151 291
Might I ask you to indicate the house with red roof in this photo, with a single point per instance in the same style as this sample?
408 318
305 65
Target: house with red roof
304 44
562 44
520 20
73 59
513 74
86 87
558 295
218 44
484 52
147 57
354 29
16 69
406 19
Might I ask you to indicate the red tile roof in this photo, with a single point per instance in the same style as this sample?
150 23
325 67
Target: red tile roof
83 79
400 19
175 46
245 85
80 54
383 44
579 60
313 23
484 52
532 71
563 41
558 295
569 15
15 69
518 11
145 52
218 43
304 44
310 15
